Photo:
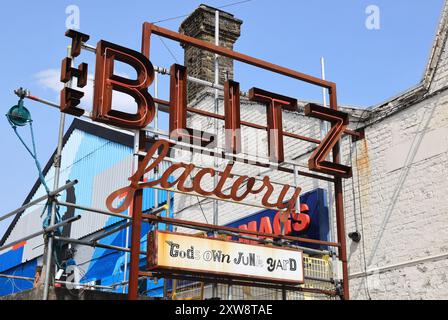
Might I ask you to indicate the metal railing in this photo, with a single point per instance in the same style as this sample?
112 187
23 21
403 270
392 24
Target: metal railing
318 275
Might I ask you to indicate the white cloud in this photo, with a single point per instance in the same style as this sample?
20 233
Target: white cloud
50 80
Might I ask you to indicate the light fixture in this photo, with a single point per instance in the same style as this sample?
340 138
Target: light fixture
18 115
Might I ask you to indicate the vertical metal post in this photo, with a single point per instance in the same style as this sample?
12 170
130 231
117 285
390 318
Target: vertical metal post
156 126
156 171
339 204
324 90
215 203
296 183
324 127
168 209
134 267
134 169
48 266
48 256
126 254
229 292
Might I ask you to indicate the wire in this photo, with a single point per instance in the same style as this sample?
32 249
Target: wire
167 48
234 4
354 145
353 188
182 16
32 153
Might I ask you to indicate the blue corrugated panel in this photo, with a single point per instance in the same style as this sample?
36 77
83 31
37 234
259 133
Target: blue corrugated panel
149 198
149 194
93 156
10 286
11 259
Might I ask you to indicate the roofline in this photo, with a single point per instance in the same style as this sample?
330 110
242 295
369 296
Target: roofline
98 130
439 42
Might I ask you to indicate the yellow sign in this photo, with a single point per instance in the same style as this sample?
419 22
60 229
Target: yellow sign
195 255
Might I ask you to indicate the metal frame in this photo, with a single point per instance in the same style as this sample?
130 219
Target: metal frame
239 283
148 30
138 217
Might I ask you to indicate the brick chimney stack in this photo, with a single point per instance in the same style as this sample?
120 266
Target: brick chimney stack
200 64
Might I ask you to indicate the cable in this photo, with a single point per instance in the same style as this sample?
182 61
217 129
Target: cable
360 206
33 153
197 198
234 4
182 16
353 189
167 48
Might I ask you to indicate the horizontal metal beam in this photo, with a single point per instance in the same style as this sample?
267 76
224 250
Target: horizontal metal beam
85 285
209 227
111 232
104 212
95 245
248 204
45 230
266 241
85 208
151 28
398 266
40 199
332 293
8 276
262 163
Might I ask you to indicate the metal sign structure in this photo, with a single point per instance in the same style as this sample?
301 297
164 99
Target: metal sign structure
151 151
106 82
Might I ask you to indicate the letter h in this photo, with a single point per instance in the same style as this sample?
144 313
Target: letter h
71 98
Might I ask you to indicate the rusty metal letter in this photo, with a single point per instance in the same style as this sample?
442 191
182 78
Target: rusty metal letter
232 116
78 39
106 82
178 100
71 98
339 121
275 104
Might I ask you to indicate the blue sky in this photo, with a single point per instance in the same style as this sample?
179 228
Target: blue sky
369 66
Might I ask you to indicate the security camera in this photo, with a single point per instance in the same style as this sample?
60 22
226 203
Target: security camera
355 236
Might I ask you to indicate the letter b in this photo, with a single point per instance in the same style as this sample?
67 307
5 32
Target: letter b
106 82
